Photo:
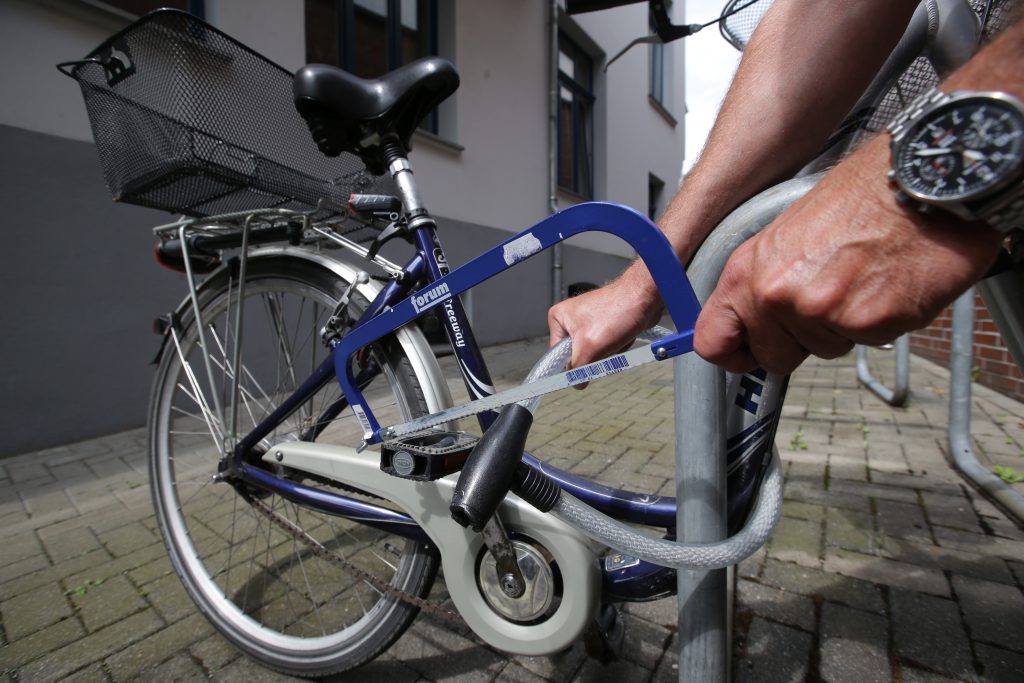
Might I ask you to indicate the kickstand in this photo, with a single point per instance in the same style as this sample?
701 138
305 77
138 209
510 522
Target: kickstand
605 635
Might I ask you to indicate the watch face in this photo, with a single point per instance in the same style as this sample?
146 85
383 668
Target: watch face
963 149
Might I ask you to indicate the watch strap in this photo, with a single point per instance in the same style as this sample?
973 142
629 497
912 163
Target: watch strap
926 100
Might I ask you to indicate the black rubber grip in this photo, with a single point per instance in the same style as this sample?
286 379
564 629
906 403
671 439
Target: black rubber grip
490 470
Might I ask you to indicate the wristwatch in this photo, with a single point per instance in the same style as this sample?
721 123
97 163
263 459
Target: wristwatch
962 152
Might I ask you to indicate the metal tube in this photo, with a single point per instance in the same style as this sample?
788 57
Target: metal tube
961 452
193 291
701 495
556 251
897 396
701 402
236 396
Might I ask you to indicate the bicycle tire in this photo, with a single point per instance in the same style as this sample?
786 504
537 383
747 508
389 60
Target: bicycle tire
265 591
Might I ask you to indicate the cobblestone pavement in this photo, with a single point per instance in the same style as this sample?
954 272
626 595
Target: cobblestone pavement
886 565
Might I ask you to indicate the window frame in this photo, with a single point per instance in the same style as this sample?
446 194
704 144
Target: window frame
345 38
581 118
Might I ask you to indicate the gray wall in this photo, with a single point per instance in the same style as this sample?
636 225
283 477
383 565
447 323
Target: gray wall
80 289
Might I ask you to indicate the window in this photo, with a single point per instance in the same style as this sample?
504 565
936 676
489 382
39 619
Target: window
131 9
656 61
371 37
655 190
575 119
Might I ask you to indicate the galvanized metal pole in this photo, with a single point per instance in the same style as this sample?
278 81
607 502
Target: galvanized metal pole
960 450
700 491
896 396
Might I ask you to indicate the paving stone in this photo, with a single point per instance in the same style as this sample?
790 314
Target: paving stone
442 655
644 642
21 568
67 544
927 631
148 653
102 602
45 573
213 654
913 675
561 666
90 674
34 610
851 530
995 546
994 611
178 668
93 647
796 541
807 511
817 583
1018 571
885 571
168 596
774 653
928 555
23 471
776 604
902 520
876 491
854 645
616 671
40 643
20 547
1000 665
951 511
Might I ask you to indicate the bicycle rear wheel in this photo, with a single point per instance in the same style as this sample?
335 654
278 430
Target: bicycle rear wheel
260 583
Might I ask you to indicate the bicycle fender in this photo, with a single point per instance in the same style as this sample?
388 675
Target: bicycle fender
427 503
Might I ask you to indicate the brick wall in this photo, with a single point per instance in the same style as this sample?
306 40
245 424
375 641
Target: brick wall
992 362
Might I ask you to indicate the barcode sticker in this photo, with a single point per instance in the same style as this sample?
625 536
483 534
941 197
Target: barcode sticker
363 420
599 369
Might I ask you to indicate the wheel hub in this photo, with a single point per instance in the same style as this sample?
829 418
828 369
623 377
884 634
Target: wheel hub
538 576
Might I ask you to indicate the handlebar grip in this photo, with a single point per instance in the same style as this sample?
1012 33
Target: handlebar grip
490 470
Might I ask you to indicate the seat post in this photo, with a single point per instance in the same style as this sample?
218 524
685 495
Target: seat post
400 169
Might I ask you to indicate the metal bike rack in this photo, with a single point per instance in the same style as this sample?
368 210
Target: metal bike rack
897 396
700 405
960 450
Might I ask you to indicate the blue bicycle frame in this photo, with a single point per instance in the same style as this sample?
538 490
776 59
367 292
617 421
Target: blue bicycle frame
396 306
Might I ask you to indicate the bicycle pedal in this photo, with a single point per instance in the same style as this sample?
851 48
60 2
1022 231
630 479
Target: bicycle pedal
426 457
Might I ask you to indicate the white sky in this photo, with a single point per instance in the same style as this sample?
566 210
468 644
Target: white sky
710 64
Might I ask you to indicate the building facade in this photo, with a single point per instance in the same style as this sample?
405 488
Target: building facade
80 287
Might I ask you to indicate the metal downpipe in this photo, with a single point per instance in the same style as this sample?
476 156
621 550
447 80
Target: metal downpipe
556 250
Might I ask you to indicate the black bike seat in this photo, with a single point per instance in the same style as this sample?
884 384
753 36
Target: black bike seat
344 111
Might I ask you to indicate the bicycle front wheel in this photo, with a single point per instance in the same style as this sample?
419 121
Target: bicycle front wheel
245 555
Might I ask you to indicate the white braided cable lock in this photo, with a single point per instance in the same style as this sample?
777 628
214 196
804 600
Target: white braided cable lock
602 528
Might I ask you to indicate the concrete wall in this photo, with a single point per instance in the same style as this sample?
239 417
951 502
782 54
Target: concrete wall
80 287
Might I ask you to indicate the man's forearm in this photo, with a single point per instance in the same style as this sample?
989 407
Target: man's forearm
801 73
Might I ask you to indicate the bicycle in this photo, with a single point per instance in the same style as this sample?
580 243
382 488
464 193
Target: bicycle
301 549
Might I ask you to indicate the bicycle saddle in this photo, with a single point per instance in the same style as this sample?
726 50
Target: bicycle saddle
346 113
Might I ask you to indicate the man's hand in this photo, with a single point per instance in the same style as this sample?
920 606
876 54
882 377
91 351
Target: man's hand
606 320
847 264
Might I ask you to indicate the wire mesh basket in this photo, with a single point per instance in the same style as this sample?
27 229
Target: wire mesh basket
189 120
740 18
